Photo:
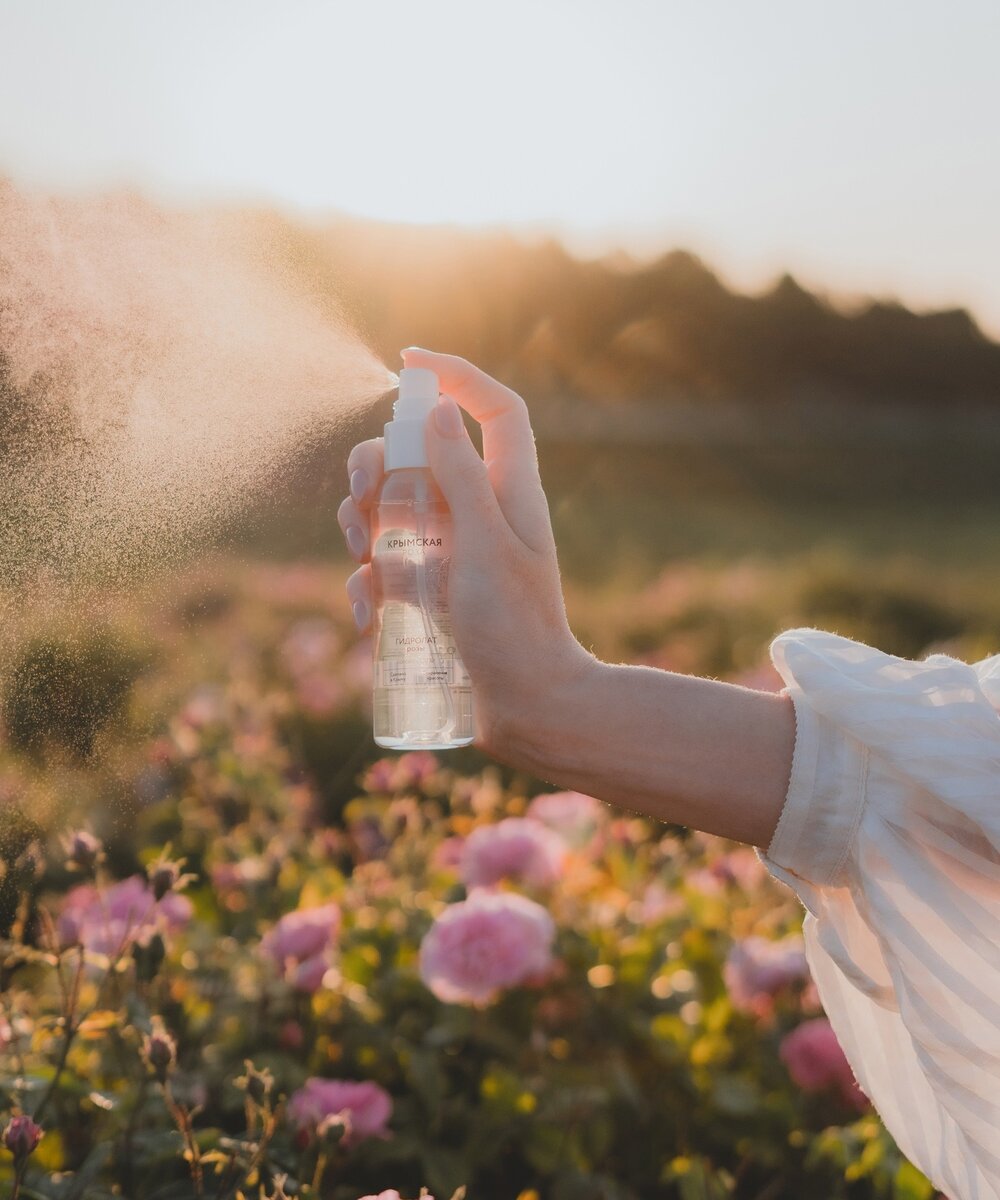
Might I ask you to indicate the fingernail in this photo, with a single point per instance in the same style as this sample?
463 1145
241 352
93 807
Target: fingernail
356 540
448 419
359 483
360 609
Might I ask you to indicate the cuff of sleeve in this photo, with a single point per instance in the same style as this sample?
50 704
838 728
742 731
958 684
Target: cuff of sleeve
825 799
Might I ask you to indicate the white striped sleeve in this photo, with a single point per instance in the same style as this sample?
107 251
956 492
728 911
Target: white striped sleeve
890 834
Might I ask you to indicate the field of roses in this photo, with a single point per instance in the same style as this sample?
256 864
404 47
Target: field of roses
242 954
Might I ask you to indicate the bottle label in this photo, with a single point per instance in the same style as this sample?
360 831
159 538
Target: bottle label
415 646
392 671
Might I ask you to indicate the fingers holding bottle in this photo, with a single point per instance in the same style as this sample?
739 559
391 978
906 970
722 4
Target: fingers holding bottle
365 468
359 596
508 441
464 481
506 619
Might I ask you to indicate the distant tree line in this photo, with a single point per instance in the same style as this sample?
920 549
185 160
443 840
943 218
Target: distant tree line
615 329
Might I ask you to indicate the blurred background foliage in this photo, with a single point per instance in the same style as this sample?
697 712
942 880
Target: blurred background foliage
675 417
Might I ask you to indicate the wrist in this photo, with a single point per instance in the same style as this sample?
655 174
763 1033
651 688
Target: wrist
548 737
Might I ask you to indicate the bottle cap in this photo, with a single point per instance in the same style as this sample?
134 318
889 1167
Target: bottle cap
404 434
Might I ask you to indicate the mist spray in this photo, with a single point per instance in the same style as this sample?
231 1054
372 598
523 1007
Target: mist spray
423 694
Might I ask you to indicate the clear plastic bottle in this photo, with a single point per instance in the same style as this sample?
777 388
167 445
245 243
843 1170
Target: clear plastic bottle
423 694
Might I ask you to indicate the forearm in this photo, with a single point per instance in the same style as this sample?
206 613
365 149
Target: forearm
678 748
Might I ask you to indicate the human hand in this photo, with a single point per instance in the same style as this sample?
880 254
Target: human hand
504 591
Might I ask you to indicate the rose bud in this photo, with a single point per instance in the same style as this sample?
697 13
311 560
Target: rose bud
334 1128
21 1137
256 1084
148 957
163 878
83 851
161 1053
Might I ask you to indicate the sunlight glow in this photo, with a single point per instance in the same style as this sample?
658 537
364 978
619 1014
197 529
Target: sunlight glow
764 137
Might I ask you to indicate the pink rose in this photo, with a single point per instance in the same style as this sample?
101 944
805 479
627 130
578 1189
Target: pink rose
368 1107
491 941
397 774
515 848
103 921
416 768
380 775
299 945
815 1061
574 815
757 970
301 934
308 975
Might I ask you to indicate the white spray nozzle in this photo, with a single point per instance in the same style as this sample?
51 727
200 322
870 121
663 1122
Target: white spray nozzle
404 434
418 392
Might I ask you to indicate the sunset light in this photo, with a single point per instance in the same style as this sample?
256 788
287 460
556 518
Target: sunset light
835 142
499 625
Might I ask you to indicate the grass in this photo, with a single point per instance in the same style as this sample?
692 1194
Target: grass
913 520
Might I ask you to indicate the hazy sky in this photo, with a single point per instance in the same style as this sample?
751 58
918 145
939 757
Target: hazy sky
856 143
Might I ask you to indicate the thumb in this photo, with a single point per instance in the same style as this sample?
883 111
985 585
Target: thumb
460 472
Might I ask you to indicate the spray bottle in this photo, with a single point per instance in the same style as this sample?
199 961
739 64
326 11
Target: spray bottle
423 694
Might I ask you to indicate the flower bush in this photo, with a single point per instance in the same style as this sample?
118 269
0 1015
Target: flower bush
282 966
102 921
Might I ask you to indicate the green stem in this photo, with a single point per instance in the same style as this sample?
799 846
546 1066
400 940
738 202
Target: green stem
18 1177
70 1031
320 1171
182 1119
258 1157
133 1120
